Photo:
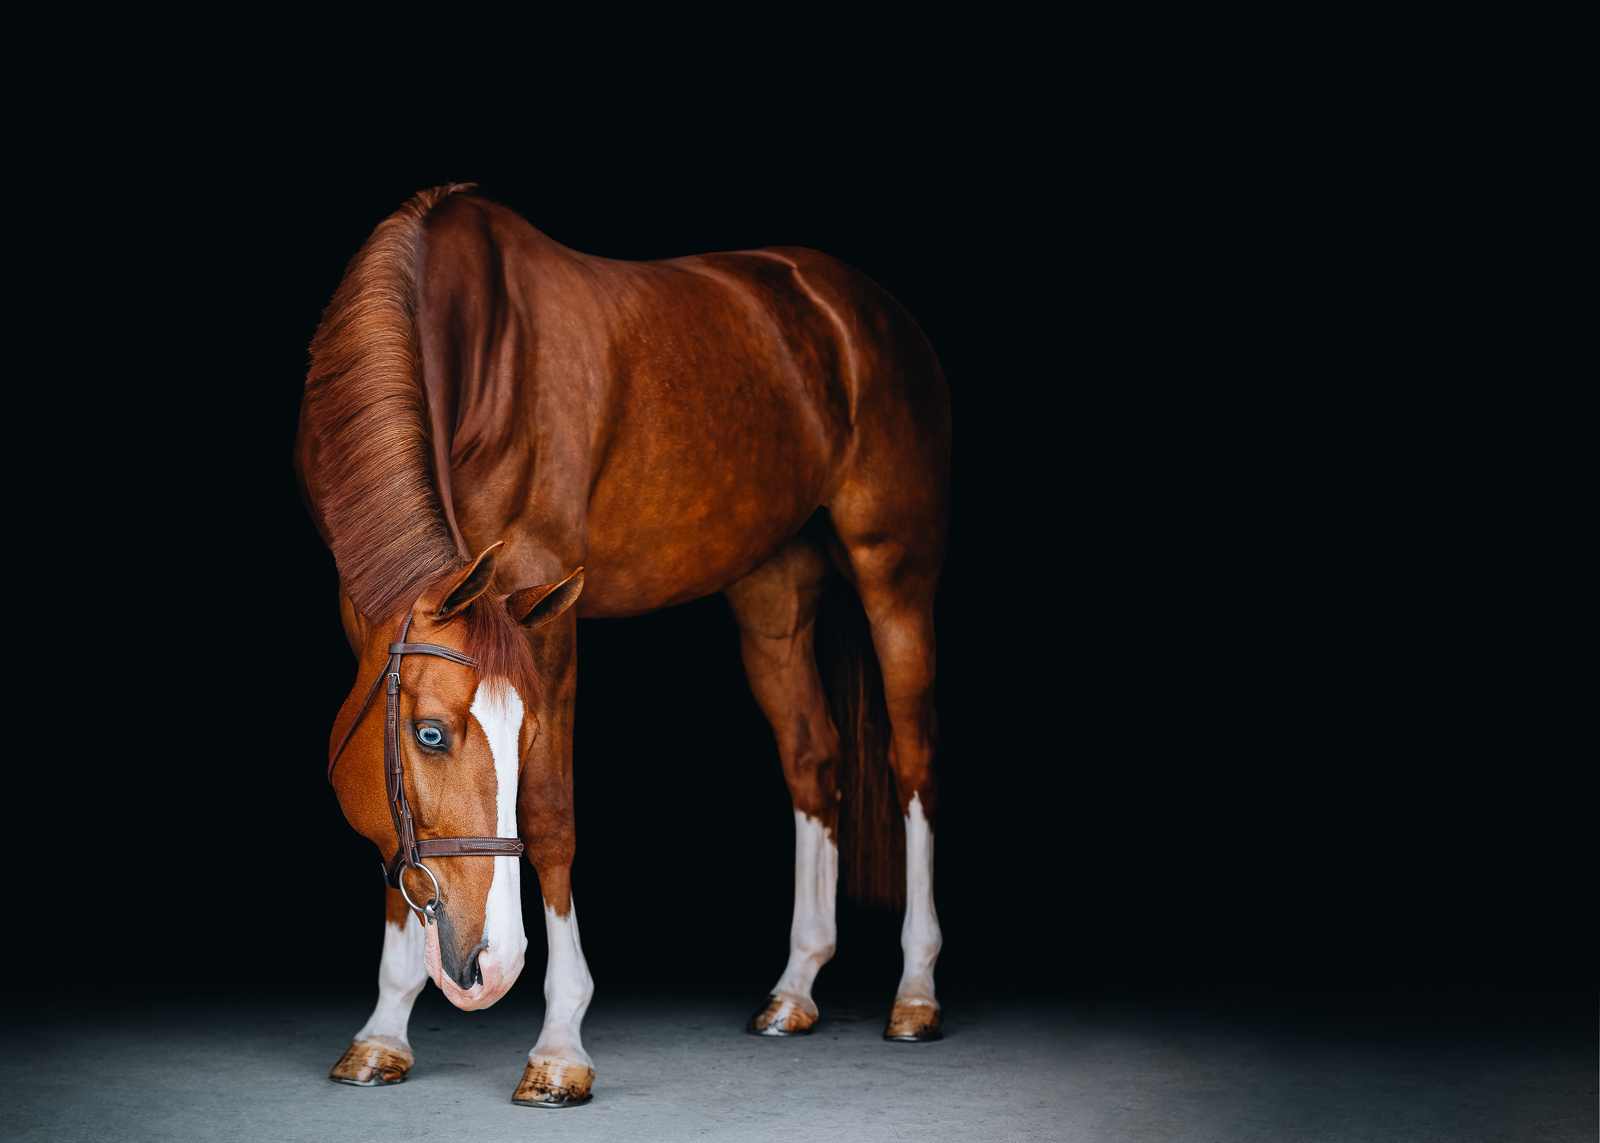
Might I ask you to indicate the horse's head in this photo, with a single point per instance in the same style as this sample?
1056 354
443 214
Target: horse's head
462 733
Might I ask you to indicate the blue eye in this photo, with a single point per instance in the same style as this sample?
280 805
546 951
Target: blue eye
429 735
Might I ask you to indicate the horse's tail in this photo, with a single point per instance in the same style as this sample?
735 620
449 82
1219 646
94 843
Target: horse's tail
363 454
872 837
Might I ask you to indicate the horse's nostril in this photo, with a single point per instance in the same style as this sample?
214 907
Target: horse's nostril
477 970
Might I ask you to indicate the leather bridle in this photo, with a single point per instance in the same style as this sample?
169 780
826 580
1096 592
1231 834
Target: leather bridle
412 848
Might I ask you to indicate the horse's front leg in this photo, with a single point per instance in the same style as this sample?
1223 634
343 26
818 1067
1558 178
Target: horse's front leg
381 1053
559 1072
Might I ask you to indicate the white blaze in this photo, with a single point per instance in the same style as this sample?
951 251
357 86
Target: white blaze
919 934
401 975
501 720
812 934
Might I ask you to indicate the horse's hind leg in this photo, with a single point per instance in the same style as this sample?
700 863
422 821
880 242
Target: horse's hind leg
903 636
381 1053
776 607
893 536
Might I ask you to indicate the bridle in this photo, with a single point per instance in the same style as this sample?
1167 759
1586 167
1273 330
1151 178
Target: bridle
412 848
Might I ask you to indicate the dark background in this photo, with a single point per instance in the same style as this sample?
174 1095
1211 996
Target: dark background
1258 635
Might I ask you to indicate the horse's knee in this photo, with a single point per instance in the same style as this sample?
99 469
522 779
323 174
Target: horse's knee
913 774
813 780
546 821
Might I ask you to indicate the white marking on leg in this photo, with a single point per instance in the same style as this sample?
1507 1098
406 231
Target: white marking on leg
501 718
813 934
568 988
919 934
401 975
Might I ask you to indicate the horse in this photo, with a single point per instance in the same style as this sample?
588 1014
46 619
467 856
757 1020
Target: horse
499 435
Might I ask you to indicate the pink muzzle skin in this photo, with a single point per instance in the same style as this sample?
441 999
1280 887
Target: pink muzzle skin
497 977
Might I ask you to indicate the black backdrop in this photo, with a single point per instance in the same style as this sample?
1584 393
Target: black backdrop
1251 635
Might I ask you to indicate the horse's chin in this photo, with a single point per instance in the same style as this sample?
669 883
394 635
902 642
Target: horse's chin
497 978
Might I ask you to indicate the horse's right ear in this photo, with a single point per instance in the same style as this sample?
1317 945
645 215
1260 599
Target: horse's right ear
535 606
473 581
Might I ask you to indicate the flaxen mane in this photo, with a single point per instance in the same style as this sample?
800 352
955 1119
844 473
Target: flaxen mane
365 423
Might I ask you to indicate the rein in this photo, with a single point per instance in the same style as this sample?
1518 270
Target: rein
413 849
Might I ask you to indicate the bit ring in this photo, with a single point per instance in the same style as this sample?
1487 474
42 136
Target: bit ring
429 910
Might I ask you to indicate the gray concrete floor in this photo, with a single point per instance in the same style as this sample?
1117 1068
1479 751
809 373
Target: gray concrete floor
672 1070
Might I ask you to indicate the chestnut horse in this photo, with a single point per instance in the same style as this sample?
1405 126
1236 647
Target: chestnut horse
499 435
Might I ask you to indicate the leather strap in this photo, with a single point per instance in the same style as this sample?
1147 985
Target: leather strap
394 775
455 847
433 649
333 758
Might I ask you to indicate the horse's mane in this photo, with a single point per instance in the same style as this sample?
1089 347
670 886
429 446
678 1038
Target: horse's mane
364 420
501 647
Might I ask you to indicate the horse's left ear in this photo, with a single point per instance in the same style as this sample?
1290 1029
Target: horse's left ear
536 606
471 583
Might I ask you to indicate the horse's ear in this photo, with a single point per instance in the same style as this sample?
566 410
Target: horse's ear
471 583
536 606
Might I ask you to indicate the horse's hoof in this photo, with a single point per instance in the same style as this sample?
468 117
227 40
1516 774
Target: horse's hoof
554 1083
785 1015
913 1022
373 1063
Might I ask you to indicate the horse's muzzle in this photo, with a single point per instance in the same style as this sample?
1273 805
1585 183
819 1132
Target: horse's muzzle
482 978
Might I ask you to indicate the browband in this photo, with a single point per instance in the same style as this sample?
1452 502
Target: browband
433 649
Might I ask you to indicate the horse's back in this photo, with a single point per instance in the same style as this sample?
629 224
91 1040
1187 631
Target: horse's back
701 408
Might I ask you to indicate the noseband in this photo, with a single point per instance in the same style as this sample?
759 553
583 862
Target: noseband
412 848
